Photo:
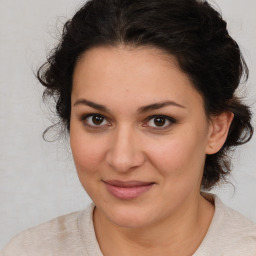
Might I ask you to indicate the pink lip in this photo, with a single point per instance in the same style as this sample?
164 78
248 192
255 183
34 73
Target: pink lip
127 189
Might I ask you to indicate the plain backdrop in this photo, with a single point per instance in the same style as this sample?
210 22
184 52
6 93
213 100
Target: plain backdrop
37 179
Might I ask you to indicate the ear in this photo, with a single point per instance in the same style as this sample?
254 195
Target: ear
218 132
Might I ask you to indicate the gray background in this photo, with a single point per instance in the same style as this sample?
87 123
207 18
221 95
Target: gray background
38 179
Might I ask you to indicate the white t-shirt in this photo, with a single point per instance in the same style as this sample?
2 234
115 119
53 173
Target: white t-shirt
230 234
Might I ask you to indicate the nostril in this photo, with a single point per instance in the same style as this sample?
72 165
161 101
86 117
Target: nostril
124 154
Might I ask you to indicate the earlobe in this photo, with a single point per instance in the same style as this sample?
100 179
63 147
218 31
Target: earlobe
218 132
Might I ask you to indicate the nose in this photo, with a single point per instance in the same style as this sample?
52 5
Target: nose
125 153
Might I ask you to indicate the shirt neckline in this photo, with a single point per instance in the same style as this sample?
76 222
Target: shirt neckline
88 235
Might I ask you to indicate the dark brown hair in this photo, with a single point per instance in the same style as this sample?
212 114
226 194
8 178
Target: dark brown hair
190 30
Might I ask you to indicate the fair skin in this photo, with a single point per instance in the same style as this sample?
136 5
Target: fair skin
139 136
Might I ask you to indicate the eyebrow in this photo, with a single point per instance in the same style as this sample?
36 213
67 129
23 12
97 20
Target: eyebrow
92 104
158 105
141 110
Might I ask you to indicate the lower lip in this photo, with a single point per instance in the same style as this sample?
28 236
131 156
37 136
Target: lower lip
127 193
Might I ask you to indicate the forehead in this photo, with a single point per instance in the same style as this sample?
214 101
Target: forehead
116 74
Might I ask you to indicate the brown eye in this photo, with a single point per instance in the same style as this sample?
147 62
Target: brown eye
97 120
159 121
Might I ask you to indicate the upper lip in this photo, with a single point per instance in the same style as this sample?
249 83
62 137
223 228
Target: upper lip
128 184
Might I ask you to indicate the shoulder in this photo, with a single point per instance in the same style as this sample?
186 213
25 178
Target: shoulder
60 236
233 223
229 233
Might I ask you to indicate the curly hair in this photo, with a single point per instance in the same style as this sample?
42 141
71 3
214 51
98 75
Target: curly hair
192 31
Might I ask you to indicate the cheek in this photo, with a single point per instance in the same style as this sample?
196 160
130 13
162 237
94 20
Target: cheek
87 156
180 156
84 156
87 152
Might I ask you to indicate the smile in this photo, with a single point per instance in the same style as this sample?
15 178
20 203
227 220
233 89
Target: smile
127 190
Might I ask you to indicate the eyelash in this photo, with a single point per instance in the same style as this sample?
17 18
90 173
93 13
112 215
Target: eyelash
166 118
145 123
85 122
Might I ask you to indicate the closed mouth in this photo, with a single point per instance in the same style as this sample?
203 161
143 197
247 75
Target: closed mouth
128 184
127 190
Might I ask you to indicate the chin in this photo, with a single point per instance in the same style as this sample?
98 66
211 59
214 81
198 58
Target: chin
129 216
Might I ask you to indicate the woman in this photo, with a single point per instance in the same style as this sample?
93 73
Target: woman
146 90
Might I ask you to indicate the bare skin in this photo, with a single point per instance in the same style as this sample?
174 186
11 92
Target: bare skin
136 118
183 236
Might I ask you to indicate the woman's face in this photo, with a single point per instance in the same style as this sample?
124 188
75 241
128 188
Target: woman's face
138 133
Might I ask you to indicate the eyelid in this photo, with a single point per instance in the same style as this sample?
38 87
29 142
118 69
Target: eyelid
85 116
170 119
163 116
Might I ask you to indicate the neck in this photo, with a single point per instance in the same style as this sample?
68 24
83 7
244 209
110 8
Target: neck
183 232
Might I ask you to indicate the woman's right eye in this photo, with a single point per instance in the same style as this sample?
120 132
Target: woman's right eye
95 120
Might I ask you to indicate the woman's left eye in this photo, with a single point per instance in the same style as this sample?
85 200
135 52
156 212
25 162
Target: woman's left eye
160 122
